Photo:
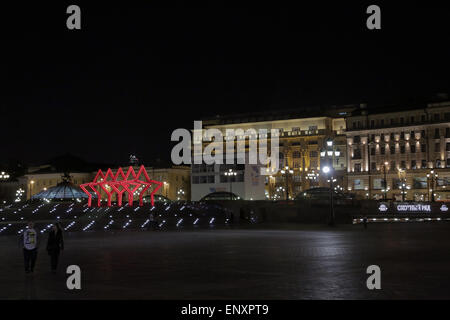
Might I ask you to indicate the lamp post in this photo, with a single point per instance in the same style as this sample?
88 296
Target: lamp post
431 177
385 180
313 176
230 174
31 188
327 155
403 187
180 194
166 188
327 171
286 172
4 176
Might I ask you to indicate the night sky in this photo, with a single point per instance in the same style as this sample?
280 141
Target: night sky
135 73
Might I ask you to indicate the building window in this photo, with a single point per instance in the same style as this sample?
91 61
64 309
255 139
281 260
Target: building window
392 149
412 119
382 122
357 154
195 180
437 117
356 139
424 164
313 154
211 179
447 132
438 163
422 118
413 164
357 167
382 150
423 147
372 123
413 148
372 151
403 164
378 184
437 135
437 147
396 183
358 184
296 154
374 166
402 149
447 146
448 162
419 182
392 165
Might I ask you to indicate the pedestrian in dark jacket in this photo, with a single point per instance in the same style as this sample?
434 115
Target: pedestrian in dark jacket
365 222
55 244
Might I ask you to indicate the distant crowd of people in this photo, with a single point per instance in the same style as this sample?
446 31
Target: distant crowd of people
29 242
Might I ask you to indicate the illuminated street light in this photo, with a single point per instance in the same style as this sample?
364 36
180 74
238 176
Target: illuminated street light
385 188
4 176
431 179
230 174
327 154
286 172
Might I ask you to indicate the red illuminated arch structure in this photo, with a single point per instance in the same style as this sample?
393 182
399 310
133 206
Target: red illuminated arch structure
120 183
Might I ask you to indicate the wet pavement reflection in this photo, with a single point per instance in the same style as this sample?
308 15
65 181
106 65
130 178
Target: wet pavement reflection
260 262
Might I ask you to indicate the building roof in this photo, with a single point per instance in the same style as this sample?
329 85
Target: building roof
277 114
63 191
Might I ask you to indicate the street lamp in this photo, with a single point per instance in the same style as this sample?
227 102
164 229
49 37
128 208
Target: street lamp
331 179
313 176
19 194
180 193
327 154
431 177
166 188
230 174
286 172
31 188
4 175
385 180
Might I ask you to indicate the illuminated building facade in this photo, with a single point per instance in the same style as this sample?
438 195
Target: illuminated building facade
400 155
302 137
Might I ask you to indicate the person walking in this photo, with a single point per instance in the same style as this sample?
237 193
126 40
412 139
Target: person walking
55 244
365 222
29 244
